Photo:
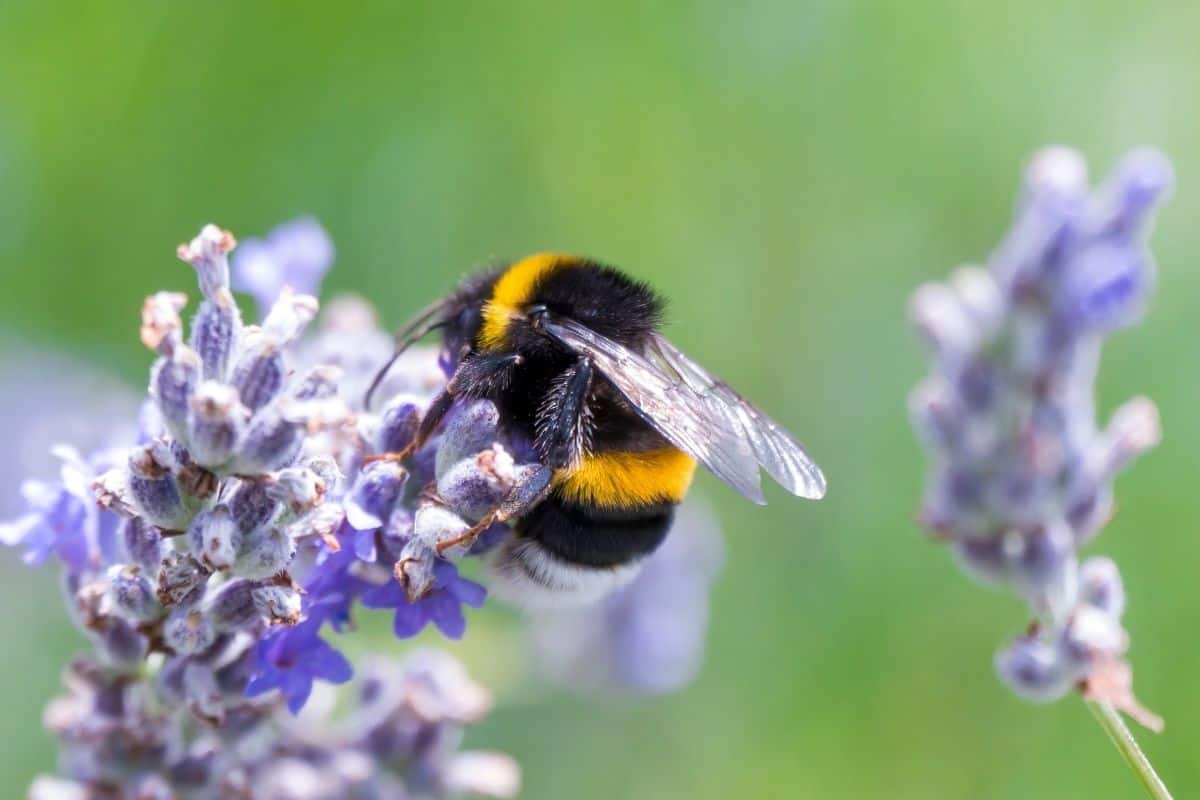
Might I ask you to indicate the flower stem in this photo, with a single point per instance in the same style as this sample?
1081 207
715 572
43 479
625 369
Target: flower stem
1110 719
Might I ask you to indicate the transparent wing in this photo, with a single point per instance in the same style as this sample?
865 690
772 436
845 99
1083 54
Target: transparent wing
697 413
775 450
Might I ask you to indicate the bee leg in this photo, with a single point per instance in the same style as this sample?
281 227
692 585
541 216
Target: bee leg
429 423
522 497
565 407
476 376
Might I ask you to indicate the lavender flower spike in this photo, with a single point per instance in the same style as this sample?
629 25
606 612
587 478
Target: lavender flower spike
1020 472
213 560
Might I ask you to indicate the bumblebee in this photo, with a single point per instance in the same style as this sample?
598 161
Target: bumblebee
570 352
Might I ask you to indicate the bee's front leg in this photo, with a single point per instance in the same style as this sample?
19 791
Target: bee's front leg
476 376
564 433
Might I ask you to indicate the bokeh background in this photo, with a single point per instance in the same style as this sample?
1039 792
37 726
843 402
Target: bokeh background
786 173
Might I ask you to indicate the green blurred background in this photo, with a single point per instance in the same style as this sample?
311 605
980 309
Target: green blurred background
786 173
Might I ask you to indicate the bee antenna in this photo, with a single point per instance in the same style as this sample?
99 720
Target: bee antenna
416 329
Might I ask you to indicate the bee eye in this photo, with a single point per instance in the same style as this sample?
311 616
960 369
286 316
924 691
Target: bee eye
537 314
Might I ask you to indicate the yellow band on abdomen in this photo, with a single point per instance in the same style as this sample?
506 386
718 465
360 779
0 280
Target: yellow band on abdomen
627 479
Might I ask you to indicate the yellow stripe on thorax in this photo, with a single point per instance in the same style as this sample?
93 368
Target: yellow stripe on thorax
626 479
513 290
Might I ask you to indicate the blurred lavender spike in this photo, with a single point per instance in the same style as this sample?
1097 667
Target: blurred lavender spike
1020 471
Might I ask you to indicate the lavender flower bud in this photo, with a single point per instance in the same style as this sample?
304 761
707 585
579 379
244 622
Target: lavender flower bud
253 506
215 332
188 633
298 488
233 606
1091 632
215 425
260 373
161 325
279 604
208 253
132 592
155 491
272 442
1033 670
215 538
173 380
472 428
203 696
475 485
1106 286
143 544
398 424
264 552
414 569
122 645
435 523
1100 586
1044 568
1139 183
289 315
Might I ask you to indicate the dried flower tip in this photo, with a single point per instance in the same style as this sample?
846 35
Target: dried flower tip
289 316
209 254
1111 682
161 325
299 488
1133 430
111 491
321 522
181 580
